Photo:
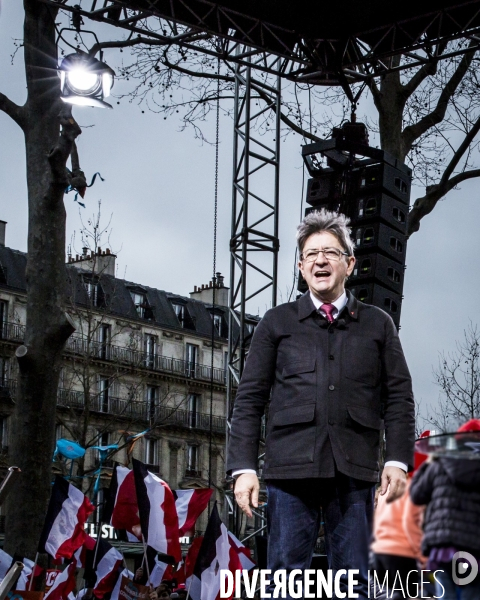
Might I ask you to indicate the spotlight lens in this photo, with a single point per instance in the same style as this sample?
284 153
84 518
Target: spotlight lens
82 80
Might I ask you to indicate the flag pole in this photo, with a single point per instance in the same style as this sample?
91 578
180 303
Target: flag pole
189 586
99 529
123 556
146 559
33 573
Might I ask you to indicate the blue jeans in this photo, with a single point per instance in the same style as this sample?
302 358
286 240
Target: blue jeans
453 591
293 522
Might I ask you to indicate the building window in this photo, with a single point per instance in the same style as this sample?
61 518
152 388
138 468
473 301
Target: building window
191 359
183 316
250 327
218 321
193 461
144 310
4 364
4 434
150 350
151 451
152 400
103 394
103 441
193 401
3 318
92 291
104 339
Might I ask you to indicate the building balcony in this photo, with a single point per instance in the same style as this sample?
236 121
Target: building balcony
12 332
145 360
78 346
8 388
136 410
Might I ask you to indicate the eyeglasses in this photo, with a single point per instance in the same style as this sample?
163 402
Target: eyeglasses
331 254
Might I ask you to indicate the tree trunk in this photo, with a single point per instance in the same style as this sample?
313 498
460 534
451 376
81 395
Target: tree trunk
390 104
47 327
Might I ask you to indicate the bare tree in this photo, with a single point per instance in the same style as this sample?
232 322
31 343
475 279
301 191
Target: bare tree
429 116
458 377
50 132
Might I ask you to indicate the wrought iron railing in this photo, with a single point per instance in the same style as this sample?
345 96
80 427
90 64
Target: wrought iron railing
122 354
8 387
137 410
12 331
141 359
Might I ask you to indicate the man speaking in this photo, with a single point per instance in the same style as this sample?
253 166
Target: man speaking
334 374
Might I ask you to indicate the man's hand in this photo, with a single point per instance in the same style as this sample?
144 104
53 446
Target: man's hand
247 487
394 480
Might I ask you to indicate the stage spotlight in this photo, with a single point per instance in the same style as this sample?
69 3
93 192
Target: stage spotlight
85 81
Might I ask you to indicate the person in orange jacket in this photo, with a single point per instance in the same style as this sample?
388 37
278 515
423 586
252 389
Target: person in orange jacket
397 541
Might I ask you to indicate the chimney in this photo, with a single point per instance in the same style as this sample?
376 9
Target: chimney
3 226
101 262
204 293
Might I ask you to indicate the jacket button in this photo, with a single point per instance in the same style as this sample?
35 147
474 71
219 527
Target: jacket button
331 330
331 387
330 421
330 357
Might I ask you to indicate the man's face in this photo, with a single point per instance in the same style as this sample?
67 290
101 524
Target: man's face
325 277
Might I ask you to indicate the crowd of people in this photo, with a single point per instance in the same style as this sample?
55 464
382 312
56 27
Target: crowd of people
427 543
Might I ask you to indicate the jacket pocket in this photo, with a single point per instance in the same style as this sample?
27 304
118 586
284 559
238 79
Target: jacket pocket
361 436
361 361
299 367
291 439
365 416
294 415
296 385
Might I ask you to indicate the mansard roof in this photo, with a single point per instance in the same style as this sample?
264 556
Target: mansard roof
117 298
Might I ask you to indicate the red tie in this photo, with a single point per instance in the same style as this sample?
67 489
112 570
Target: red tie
328 310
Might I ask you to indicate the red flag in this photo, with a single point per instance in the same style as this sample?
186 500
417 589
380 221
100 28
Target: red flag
107 568
121 510
191 557
216 554
158 515
190 504
64 583
68 510
243 552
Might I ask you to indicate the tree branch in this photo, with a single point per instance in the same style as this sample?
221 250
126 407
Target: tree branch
427 70
14 111
260 91
284 117
424 205
184 71
161 41
413 132
467 140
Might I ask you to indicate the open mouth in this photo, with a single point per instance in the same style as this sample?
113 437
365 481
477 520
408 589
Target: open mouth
319 275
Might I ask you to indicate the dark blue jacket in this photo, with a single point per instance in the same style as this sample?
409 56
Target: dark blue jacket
330 390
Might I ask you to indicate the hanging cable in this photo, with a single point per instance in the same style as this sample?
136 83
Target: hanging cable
214 279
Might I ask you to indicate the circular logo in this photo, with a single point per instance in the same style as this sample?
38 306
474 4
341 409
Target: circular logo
464 568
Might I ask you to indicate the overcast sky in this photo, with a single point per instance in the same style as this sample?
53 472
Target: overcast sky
159 186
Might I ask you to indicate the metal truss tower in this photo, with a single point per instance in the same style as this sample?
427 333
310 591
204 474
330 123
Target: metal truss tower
254 242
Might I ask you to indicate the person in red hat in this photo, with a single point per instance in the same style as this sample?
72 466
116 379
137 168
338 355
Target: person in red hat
450 487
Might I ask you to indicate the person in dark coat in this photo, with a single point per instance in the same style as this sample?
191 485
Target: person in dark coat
334 374
450 487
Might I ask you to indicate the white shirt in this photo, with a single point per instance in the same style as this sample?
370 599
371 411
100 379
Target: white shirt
339 304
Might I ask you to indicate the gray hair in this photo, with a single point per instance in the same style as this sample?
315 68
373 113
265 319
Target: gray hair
326 220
